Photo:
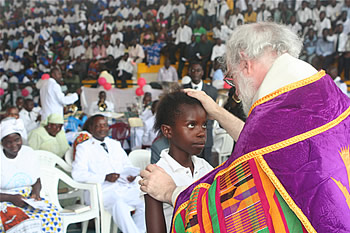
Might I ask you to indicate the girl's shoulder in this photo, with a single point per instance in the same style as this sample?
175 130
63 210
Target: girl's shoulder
201 164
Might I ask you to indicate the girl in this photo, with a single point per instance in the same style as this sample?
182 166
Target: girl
182 120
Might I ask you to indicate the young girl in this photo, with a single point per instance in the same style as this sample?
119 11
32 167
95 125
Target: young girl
182 120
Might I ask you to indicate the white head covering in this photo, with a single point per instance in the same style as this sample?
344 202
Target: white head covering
53 118
11 125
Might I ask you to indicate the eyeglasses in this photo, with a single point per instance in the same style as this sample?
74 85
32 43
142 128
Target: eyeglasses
196 70
229 79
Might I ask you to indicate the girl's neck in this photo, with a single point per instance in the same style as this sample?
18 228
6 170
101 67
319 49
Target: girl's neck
183 158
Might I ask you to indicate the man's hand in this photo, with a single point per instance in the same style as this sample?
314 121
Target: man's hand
208 103
157 183
131 178
112 177
17 200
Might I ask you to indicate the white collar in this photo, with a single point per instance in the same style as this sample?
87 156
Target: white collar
174 165
96 141
199 85
285 70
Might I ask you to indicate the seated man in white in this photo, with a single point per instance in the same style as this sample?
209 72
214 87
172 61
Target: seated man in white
101 105
30 118
102 160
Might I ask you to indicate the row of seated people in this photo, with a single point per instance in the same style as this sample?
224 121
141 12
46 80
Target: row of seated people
99 159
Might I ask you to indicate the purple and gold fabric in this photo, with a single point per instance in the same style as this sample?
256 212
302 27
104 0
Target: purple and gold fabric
289 172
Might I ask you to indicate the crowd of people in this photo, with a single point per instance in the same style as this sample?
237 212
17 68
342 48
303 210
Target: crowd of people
83 38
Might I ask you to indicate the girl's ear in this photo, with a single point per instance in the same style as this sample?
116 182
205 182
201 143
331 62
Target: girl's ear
166 130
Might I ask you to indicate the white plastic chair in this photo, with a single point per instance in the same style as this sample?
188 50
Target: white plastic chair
107 223
48 158
50 177
68 156
140 158
226 146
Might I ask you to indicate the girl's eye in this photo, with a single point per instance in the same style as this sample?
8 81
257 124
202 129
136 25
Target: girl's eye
191 125
204 126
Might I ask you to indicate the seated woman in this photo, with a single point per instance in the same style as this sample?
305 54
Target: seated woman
20 180
50 136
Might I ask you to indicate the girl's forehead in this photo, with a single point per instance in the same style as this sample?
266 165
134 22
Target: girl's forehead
191 109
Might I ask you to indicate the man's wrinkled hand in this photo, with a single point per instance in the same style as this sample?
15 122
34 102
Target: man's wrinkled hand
208 103
157 183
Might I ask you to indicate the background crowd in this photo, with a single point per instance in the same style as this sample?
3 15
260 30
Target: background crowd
83 38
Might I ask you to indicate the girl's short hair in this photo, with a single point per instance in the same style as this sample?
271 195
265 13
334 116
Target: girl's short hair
168 108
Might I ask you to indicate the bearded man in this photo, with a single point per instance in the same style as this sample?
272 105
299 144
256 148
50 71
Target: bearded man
290 169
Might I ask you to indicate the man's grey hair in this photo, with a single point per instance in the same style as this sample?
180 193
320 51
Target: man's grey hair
253 40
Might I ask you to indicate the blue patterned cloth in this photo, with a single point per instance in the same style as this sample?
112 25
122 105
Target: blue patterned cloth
50 219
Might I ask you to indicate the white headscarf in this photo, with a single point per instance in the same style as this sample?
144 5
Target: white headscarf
11 125
53 118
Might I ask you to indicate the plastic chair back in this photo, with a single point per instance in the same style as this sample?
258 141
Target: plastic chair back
140 158
120 131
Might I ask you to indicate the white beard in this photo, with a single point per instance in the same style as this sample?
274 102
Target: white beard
247 91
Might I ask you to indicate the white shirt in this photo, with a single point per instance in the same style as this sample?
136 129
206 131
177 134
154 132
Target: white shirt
115 36
92 163
183 35
218 51
224 33
78 51
198 86
53 99
182 176
94 107
343 38
181 8
166 10
296 28
316 13
342 86
110 50
19 172
233 20
19 52
29 119
221 11
126 65
333 12
136 51
119 50
124 12
263 16
134 11
304 15
148 132
210 6
167 75
326 23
